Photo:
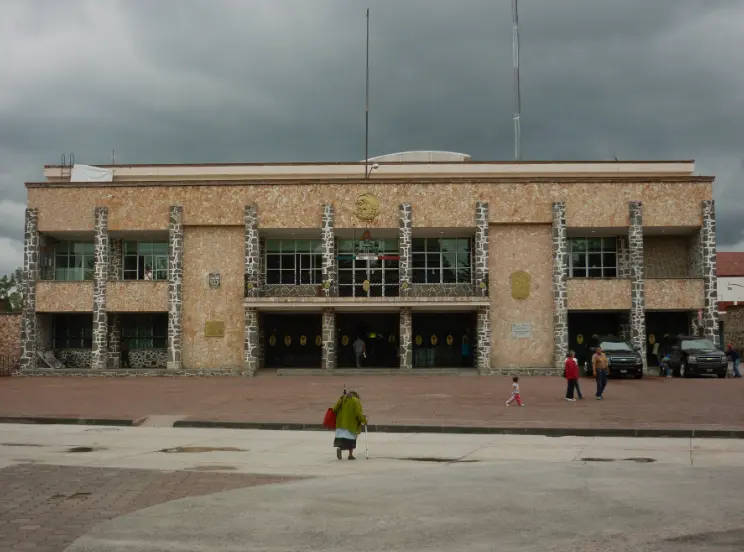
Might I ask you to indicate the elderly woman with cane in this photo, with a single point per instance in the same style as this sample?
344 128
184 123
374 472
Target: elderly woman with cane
349 421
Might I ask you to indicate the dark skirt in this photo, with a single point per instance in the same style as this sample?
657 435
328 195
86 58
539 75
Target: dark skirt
344 444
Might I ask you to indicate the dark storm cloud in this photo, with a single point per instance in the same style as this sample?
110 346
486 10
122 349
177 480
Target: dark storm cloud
188 80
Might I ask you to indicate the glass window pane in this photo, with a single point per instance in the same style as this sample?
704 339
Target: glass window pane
578 273
463 275
419 260
449 276
432 244
449 260
578 245
288 262
130 274
273 245
609 244
130 263
609 260
594 244
347 246
272 261
594 260
578 260
316 246
345 277
161 275
419 244
61 261
160 248
610 273
345 264
317 276
463 245
288 246
88 274
391 246
303 246
595 272
419 276
288 276
161 263
83 248
391 265
433 260
449 244
463 259
144 248
273 277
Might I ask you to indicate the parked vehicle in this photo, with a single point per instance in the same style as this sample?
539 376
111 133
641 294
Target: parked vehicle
697 356
622 357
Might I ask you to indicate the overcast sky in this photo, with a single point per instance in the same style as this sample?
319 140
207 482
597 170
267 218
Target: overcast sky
283 80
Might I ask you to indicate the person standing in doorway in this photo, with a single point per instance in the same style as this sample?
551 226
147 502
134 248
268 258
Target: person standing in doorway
734 358
360 351
125 353
571 371
600 368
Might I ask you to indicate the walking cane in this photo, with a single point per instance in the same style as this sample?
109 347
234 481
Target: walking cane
366 443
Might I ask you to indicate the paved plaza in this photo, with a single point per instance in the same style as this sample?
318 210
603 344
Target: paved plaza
448 401
157 489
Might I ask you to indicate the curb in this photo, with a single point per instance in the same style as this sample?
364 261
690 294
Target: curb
392 428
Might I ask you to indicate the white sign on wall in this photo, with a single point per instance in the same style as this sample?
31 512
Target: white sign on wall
522 331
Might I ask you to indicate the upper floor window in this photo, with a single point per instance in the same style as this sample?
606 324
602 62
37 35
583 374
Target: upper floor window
73 331
73 261
294 261
374 261
145 261
593 258
441 260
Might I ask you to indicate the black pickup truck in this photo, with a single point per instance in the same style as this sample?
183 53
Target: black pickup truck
697 356
622 357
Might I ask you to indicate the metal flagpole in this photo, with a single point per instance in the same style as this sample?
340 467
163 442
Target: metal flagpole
517 92
366 108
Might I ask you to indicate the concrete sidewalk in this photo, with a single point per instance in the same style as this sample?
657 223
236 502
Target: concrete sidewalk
440 402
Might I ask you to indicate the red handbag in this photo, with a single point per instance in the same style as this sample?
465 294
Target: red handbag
329 421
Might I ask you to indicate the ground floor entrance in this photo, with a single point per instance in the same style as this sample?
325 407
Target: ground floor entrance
661 329
585 327
380 333
444 339
291 340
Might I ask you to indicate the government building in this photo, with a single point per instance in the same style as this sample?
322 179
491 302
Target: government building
432 261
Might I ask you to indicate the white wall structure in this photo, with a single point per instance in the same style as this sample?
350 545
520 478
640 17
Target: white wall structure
731 288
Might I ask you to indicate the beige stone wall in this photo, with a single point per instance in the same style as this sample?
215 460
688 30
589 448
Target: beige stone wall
64 296
222 250
733 327
10 338
668 294
137 296
598 294
513 248
667 256
437 204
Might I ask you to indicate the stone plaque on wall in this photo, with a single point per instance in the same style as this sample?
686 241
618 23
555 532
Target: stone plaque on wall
520 285
214 328
522 331
214 280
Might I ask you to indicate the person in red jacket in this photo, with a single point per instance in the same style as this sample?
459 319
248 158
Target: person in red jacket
572 377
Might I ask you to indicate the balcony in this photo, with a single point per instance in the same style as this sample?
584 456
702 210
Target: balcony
674 294
261 288
598 294
446 290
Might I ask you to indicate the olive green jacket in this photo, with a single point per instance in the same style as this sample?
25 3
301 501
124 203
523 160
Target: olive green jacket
349 415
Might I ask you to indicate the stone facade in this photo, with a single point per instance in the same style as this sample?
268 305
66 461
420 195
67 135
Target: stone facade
637 296
250 358
560 285
10 339
483 346
76 358
406 345
734 327
329 339
148 358
99 353
481 247
252 252
667 257
329 251
116 254
405 244
695 260
114 341
30 276
708 249
175 287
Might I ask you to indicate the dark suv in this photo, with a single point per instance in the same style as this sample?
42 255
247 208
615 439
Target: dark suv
697 356
622 357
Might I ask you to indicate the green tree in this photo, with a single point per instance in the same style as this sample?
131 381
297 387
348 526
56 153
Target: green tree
12 291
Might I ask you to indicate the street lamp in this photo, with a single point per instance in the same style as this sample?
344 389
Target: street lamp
372 168
731 286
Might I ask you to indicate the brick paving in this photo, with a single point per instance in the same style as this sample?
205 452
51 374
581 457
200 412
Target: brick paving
45 508
407 400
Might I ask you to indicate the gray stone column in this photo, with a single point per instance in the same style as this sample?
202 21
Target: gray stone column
710 277
560 285
30 275
252 252
637 284
329 339
406 337
483 347
329 251
116 253
481 247
405 237
114 340
99 355
250 349
175 287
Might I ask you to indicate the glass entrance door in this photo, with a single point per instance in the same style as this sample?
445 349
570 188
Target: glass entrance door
370 277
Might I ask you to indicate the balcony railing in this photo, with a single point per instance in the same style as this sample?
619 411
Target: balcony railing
446 290
261 288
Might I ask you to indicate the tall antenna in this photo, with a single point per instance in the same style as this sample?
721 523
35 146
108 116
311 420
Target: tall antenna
366 108
517 93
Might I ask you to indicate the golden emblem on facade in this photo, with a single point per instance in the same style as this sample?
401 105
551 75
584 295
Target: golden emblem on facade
520 285
367 207
365 285
419 341
303 340
272 340
287 340
318 340
345 340
450 340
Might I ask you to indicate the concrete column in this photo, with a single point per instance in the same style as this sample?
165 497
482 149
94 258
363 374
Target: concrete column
708 249
30 275
483 348
116 251
329 251
481 247
405 243
114 340
175 287
250 351
252 252
637 283
406 337
99 355
560 285
329 339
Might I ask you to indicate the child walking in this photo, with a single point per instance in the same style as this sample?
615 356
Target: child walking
515 393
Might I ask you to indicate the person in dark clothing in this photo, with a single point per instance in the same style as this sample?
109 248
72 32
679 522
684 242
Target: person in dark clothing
125 353
734 358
